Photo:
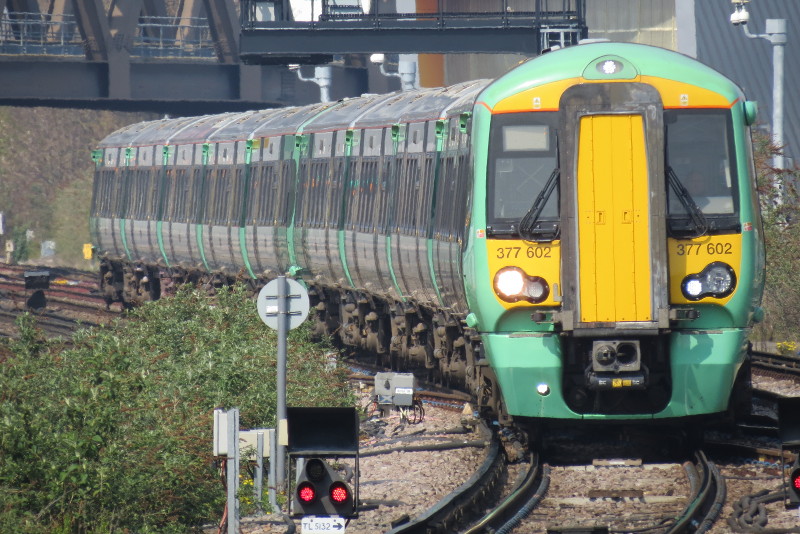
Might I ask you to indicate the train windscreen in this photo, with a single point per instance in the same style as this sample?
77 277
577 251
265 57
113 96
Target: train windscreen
700 164
523 162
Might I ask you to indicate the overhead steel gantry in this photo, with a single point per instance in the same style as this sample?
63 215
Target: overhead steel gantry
274 28
137 55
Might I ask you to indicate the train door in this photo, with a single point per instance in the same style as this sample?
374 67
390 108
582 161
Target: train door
613 220
613 207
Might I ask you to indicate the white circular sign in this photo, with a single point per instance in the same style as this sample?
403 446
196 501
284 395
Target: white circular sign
297 304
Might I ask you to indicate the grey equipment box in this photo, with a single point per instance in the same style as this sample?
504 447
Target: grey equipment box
395 389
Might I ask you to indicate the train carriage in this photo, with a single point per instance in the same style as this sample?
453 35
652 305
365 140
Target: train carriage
578 239
629 287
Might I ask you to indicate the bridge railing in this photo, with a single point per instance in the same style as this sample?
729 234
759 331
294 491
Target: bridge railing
39 34
171 37
266 14
58 35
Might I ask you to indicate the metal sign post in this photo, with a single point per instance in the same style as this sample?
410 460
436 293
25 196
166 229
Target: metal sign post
232 471
283 305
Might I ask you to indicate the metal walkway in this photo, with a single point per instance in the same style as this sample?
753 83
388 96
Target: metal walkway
346 27
204 56
137 56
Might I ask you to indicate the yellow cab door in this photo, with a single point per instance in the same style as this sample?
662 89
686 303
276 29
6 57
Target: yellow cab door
614 252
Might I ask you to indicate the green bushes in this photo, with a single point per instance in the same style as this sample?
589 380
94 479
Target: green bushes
780 205
115 432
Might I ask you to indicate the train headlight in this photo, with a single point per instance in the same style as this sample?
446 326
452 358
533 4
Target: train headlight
509 281
717 280
512 284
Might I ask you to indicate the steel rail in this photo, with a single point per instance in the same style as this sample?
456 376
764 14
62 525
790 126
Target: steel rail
519 503
453 509
789 365
706 504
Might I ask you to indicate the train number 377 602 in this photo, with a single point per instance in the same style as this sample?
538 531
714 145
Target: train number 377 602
512 253
695 249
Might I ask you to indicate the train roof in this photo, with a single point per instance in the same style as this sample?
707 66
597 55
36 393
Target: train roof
372 111
368 111
408 106
636 59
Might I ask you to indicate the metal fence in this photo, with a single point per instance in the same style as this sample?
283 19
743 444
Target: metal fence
562 13
59 35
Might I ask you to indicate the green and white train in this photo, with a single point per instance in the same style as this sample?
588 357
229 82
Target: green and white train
578 239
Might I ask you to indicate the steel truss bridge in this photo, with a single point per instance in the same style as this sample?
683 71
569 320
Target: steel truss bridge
206 56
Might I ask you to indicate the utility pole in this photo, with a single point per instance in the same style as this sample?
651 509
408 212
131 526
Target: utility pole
775 33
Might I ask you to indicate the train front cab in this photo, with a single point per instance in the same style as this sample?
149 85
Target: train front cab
616 284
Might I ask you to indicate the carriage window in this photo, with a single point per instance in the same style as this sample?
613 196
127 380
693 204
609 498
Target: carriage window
523 156
699 148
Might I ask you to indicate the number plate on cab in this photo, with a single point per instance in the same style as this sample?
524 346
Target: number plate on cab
313 524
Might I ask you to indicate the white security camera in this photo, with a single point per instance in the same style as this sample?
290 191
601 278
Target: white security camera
378 59
740 14
740 17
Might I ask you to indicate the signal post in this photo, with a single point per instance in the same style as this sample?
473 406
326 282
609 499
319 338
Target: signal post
789 430
324 496
316 439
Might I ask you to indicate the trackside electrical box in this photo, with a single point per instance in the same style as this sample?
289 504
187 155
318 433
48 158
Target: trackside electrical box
394 389
221 432
248 441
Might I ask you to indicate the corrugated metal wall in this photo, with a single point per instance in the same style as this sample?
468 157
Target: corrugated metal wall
464 67
633 21
705 32
749 61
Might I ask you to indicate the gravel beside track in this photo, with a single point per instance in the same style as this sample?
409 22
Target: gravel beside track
411 481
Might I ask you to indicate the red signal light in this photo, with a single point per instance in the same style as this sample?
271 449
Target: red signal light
306 492
339 492
794 486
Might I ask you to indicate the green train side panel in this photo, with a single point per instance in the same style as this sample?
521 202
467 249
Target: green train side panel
480 298
703 370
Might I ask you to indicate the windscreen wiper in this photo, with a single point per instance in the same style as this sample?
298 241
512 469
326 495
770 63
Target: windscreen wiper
528 223
698 219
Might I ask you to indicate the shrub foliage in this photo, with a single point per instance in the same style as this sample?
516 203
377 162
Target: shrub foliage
780 205
114 432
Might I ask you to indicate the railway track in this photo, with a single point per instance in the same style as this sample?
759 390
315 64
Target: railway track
663 505
52 324
450 513
70 302
777 365
689 506
530 507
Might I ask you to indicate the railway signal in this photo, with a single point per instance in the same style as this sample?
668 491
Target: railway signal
789 434
316 436
321 491
793 489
